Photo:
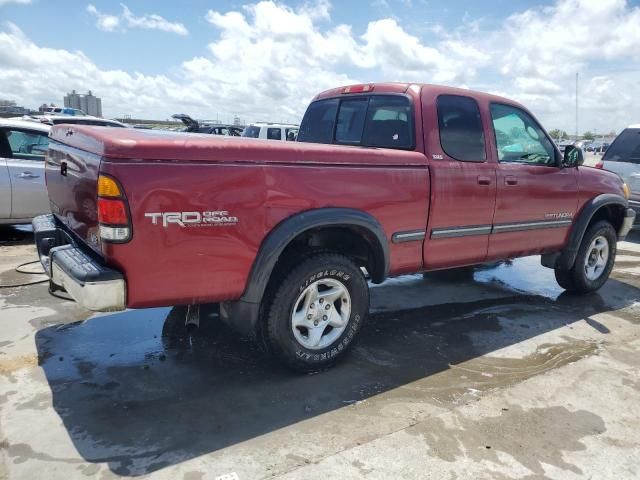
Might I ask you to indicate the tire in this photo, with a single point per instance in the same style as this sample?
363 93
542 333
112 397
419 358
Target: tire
590 270
315 311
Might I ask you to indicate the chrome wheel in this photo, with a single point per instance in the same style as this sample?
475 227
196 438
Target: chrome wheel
321 313
597 257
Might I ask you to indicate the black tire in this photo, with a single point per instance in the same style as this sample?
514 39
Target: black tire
279 337
575 280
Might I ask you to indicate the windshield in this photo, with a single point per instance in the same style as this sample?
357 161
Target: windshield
625 148
251 131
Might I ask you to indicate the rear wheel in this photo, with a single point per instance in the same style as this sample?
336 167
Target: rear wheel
315 312
594 261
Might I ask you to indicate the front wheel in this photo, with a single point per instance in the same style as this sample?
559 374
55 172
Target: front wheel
316 311
594 261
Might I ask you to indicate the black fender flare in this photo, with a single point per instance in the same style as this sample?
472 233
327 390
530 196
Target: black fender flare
243 313
567 257
278 239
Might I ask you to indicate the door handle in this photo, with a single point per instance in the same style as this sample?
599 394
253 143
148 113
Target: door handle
28 175
510 180
484 180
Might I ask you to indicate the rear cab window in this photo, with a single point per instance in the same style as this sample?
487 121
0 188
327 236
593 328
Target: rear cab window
625 148
384 121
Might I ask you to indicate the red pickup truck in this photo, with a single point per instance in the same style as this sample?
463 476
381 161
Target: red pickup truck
385 179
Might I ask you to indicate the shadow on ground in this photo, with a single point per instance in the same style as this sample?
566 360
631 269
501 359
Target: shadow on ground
141 392
16 235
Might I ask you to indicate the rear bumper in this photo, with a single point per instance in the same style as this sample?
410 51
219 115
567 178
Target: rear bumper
91 284
627 223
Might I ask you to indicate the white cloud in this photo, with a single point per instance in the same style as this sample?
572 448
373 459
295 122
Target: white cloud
112 23
17 2
20 2
266 60
152 22
107 23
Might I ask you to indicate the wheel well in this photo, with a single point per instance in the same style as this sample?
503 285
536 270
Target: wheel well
353 241
613 213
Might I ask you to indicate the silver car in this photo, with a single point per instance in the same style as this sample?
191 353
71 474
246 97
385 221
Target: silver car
623 158
23 143
23 193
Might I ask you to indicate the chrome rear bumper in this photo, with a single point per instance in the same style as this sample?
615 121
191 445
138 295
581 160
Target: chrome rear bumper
91 284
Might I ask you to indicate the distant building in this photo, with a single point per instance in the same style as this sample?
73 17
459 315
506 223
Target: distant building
88 103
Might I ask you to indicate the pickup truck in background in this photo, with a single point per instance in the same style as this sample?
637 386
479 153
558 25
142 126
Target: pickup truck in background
384 178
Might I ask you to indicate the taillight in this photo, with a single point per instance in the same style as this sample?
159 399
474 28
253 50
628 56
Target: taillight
113 211
600 165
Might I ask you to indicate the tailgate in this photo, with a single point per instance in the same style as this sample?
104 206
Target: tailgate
72 176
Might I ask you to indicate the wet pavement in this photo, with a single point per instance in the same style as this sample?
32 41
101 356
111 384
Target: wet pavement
499 376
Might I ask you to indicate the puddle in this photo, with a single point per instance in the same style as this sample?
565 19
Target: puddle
523 275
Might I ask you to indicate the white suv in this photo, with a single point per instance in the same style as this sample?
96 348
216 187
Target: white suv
623 158
272 131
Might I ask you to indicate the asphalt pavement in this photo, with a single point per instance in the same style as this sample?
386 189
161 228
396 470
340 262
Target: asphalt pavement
497 377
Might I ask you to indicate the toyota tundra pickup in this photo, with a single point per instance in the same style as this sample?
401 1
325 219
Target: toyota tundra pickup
384 180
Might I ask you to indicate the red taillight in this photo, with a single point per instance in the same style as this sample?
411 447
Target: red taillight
600 165
112 212
358 88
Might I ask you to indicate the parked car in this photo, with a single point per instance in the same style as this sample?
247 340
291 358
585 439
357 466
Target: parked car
199 126
23 193
384 178
623 158
64 111
80 120
272 131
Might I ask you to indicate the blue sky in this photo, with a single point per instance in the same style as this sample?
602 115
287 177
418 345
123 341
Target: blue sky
265 59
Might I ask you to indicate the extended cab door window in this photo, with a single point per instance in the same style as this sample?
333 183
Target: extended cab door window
460 125
519 138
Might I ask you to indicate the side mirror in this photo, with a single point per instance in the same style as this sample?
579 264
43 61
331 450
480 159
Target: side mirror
573 157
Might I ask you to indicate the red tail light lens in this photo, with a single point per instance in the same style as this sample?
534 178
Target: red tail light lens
600 165
112 212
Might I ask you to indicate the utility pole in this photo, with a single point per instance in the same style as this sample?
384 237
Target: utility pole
576 106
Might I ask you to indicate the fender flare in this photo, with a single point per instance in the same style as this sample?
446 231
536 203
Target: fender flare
282 234
568 256
242 314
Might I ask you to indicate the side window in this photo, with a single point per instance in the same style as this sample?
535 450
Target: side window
274 133
351 121
519 139
317 124
460 125
27 145
292 134
389 122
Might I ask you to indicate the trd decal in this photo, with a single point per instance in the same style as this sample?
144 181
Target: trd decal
192 219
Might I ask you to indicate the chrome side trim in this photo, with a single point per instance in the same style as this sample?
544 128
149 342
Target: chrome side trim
409 236
460 231
518 227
